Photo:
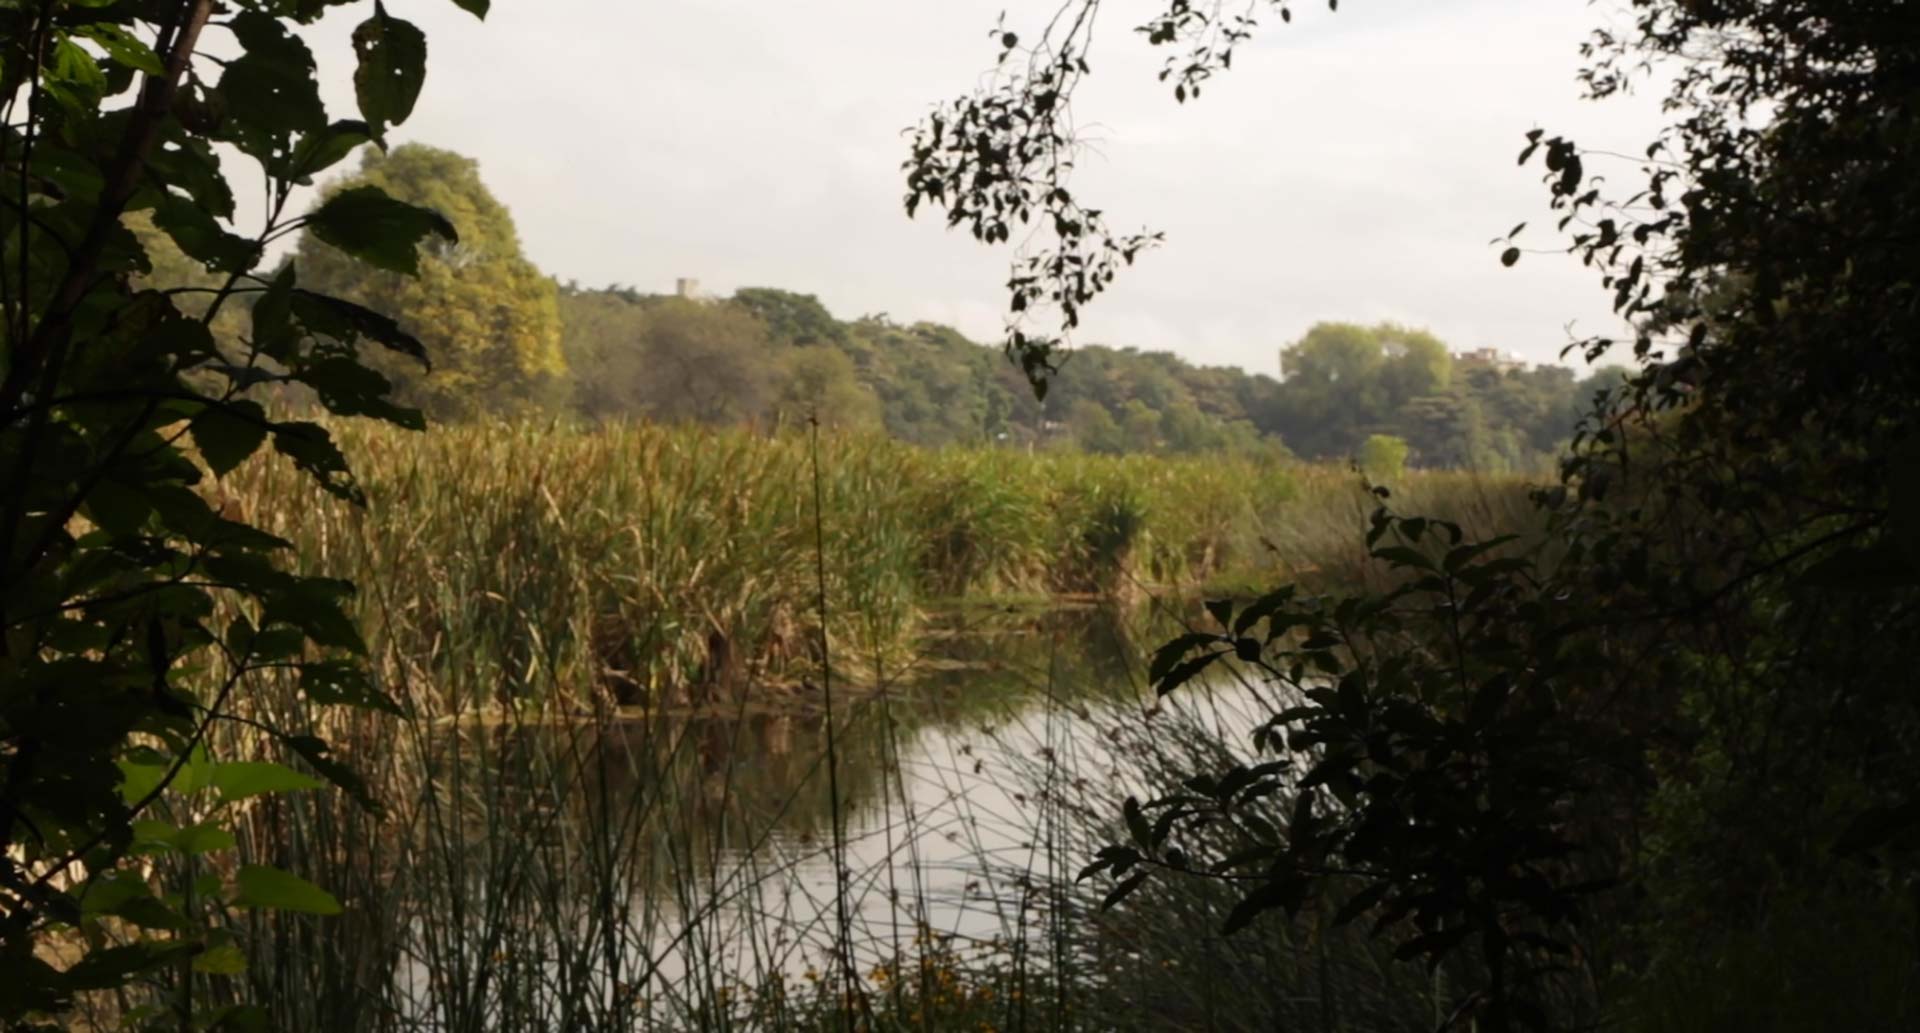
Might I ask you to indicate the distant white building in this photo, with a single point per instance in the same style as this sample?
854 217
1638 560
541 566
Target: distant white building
1500 361
687 287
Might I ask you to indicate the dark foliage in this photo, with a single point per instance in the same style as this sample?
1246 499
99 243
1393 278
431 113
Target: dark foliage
1624 770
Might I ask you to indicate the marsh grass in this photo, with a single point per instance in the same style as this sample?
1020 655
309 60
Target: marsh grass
672 566
549 856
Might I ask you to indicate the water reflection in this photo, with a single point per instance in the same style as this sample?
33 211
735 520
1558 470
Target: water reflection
631 868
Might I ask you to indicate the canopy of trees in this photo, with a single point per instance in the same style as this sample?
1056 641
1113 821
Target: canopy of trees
768 356
488 317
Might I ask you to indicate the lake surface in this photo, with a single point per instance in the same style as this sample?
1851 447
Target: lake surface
673 858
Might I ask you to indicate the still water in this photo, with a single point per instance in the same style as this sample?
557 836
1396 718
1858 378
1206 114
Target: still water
672 857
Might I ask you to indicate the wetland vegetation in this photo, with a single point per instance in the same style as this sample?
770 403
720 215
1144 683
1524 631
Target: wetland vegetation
715 664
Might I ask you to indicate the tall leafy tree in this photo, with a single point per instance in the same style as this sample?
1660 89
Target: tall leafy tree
490 318
792 318
822 384
704 363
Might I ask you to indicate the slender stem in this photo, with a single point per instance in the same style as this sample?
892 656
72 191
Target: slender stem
844 947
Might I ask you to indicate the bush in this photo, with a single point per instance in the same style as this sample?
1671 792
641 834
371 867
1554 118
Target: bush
1383 457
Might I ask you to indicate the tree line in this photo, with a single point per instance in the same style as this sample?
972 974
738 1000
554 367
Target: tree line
508 339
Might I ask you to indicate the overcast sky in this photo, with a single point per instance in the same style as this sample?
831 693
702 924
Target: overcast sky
1352 166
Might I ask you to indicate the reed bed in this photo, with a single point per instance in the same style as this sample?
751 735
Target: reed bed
547 857
675 565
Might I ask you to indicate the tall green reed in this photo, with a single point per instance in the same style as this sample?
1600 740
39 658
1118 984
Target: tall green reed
670 566
548 857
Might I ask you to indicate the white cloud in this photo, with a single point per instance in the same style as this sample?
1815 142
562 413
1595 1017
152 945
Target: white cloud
1351 166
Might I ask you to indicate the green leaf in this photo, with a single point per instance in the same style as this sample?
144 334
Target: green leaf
393 66
348 387
367 224
314 606
1461 555
224 960
1401 556
343 319
270 90
1120 891
126 895
204 838
104 969
124 47
73 78
322 149
117 508
197 773
1185 672
201 237
137 779
259 886
1169 655
227 434
272 312
345 683
1879 826
1137 826
477 8
312 449
237 780
1878 567
1283 892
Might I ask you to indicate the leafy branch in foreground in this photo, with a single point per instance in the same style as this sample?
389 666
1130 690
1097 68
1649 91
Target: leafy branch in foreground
1000 160
1699 684
1425 772
136 612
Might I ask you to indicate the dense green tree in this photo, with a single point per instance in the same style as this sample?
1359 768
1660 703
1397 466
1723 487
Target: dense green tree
1140 426
490 319
1414 363
791 318
929 384
1094 429
1331 389
822 384
1383 457
704 363
601 343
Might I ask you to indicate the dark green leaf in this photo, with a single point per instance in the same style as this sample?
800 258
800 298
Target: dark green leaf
1120 891
1169 655
270 90
1401 556
367 224
321 149
258 886
1137 826
237 780
392 57
340 318
227 434
123 46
